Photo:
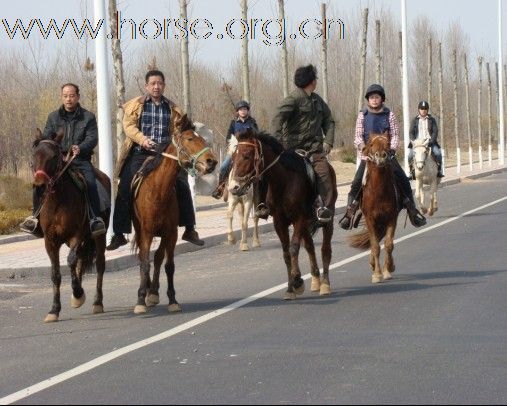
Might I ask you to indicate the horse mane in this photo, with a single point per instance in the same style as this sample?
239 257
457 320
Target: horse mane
152 164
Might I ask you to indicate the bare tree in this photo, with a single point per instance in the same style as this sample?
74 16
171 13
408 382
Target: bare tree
323 53
185 67
441 100
285 67
430 63
455 89
244 53
377 53
479 110
490 117
362 73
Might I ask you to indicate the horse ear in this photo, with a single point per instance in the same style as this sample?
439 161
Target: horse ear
59 135
38 134
176 118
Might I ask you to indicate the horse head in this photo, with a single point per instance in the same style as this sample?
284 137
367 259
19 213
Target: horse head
47 157
246 160
421 153
378 148
194 155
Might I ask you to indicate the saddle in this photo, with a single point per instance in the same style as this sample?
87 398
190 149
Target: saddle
149 165
80 182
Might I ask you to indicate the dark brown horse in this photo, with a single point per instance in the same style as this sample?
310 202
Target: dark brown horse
290 200
156 209
64 220
379 205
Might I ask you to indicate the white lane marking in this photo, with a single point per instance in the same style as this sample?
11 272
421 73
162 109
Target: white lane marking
94 363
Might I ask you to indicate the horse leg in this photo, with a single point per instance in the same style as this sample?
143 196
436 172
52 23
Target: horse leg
75 263
295 245
153 298
282 230
233 201
375 255
314 266
389 247
433 197
174 306
243 213
419 192
256 242
144 270
326 252
54 256
100 264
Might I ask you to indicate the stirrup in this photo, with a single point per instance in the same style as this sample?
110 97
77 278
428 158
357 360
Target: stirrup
324 215
29 225
97 227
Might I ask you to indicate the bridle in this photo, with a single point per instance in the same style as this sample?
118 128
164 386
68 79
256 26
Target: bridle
181 151
426 153
259 167
380 159
60 167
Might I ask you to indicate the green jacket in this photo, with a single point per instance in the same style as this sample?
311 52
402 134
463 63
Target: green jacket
303 122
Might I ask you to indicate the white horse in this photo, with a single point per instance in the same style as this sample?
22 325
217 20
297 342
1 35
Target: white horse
425 174
244 204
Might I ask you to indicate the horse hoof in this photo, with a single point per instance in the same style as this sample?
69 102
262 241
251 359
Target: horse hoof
96 309
152 300
376 279
387 276
244 247
256 244
51 318
140 309
325 289
289 296
231 242
424 210
315 287
300 290
77 302
174 308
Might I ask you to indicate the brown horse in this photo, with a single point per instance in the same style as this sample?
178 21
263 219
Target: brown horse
290 200
379 205
64 220
156 209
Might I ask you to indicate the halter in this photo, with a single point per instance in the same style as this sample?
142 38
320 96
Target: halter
426 150
194 159
375 158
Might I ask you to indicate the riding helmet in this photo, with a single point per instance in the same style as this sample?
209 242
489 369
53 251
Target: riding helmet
424 105
241 104
375 89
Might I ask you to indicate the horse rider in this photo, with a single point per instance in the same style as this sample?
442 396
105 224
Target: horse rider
304 121
242 122
147 123
80 138
377 118
425 126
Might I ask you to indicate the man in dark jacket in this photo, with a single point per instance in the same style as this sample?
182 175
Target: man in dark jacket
239 124
80 138
304 121
425 126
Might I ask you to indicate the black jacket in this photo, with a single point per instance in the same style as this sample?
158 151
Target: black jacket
432 129
80 129
238 126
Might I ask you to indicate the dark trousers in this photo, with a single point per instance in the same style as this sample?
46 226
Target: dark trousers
324 185
86 169
399 174
122 220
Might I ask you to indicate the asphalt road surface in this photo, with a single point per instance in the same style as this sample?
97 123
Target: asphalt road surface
436 333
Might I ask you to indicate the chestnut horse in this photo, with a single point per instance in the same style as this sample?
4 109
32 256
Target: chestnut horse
290 200
379 205
64 220
155 209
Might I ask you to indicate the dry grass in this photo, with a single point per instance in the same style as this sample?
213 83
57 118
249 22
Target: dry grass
15 203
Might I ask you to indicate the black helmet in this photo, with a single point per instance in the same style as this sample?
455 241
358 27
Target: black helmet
424 105
241 104
375 89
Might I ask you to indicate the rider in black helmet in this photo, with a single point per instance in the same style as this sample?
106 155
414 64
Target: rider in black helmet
377 118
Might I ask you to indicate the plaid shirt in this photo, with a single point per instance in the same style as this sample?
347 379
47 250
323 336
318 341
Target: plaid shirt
393 127
155 120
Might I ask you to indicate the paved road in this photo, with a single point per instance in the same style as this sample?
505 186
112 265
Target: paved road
435 334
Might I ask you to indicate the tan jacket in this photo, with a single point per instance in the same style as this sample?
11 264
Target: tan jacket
132 114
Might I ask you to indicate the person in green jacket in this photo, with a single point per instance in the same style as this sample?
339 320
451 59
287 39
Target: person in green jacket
304 121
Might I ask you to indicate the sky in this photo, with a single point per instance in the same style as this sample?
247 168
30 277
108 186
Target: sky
479 19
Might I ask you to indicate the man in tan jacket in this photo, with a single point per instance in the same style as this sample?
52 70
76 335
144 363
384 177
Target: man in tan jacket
147 123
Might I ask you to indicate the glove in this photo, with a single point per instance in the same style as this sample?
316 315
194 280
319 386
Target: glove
327 148
392 154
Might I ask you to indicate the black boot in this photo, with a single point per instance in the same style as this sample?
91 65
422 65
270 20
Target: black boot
192 236
415 216
412 172
439 173
262 211
117 241
346 221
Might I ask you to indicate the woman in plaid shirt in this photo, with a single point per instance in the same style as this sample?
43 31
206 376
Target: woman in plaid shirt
377 118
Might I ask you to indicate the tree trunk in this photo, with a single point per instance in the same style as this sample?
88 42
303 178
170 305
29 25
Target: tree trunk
285 66
363 59
244 53
118 74
378 75
490 116
441 100
469 127
430 63
324 53
479 110
455 89
185 66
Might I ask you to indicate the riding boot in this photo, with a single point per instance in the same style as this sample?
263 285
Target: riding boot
346 221
412 172
219 191
260 193
31 224
416 218
439 173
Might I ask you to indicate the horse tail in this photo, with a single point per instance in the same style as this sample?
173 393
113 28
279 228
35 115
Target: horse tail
360 239
88 254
